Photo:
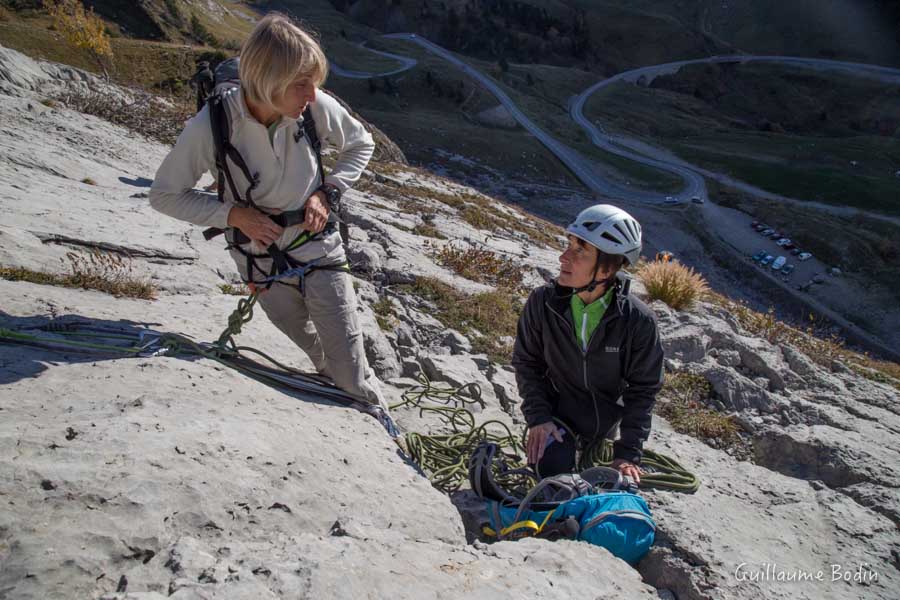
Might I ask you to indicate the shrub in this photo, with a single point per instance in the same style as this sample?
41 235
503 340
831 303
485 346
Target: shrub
88 181
673 283
481 265
82 29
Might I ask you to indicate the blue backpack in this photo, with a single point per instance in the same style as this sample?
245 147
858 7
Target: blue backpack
618 521
598 506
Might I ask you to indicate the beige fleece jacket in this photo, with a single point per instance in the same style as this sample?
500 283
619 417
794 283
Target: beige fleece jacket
287 169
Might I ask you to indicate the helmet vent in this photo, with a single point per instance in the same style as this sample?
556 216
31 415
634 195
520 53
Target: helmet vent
606 235
622 231
632 227
591 225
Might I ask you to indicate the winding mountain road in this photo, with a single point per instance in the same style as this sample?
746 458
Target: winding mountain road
648 155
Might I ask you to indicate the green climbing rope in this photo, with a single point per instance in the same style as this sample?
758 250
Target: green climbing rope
444 457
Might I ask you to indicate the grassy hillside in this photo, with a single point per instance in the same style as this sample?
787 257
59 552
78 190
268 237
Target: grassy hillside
792 132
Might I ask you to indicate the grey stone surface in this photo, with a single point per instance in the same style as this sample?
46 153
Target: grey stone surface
193 481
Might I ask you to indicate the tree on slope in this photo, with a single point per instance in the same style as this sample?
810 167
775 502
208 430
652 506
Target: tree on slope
82 29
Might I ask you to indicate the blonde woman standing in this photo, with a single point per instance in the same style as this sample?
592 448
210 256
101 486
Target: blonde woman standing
277 209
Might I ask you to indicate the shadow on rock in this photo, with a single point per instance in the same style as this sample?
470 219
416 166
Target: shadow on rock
137 181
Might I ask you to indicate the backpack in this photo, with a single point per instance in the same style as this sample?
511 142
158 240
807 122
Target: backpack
616 520
597 506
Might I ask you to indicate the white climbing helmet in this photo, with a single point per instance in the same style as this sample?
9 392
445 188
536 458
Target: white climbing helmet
609 229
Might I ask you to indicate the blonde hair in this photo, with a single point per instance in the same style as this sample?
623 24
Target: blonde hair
276 54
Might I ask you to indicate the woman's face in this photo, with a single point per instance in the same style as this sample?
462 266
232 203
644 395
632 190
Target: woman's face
293 101
577 264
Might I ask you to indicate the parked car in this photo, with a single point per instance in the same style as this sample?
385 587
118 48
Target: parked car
760 227
790 246
767 231
796 251
670 200
775 235
788 269
804 256
766 259
758 256
783 242
696 199
779 262
754 224
819 278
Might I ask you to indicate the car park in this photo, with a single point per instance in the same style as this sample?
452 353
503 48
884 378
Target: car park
758 256
766 259
788 269
795 251
778 263
804 256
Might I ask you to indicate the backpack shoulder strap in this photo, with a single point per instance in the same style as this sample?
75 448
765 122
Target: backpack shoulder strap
308 130
221 132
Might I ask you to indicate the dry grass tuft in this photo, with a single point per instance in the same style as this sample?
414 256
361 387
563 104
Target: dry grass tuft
234 290
481 265
673 283
821 347
384 314
104 272
147 115
488 318
682 403
88 181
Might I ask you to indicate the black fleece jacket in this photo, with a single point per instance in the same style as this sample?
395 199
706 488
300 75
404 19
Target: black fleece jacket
624 361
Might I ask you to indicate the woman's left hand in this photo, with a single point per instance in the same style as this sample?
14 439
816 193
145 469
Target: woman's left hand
628 468
316 213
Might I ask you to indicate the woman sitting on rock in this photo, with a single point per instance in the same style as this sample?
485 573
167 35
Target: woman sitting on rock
281 69
587 353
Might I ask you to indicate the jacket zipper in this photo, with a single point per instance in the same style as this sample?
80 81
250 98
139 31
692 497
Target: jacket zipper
583 351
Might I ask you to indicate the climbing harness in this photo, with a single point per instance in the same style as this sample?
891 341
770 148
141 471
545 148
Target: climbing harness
225 151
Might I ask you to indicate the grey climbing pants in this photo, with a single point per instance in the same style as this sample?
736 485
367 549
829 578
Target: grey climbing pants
323 322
